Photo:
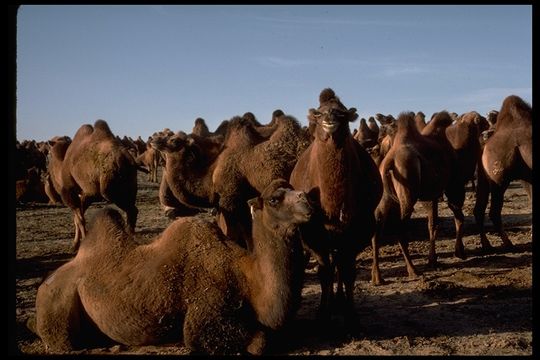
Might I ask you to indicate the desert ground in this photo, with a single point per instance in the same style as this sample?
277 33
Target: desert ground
478 306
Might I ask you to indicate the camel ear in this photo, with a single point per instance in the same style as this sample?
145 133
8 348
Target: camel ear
313 115
352 114
254 204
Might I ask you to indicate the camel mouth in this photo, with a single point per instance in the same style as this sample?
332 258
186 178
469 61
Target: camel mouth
304 215
329 126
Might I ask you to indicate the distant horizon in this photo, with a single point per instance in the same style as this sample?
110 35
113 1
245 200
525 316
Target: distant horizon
145 68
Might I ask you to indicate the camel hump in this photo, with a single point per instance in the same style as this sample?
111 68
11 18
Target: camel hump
84 131
406 126
106 228
327 95
441 119
364 127
102 130
513 109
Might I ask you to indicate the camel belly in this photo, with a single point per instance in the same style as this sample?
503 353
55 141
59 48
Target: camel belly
132 316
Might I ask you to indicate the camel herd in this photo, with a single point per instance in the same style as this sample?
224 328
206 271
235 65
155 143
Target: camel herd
273 195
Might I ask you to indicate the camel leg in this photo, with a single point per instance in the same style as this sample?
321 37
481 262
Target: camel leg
381 216
528 188
346 264
482 197
376 278
326 278
455 203
433 219
404 245
58 312
80 228
497 199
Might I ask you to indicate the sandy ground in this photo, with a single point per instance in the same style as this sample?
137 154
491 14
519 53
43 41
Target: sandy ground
478 306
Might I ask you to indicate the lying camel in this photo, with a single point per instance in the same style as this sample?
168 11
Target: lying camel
506 156
190 282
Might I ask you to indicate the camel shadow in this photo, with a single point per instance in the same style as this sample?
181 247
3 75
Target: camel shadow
444 309
39 266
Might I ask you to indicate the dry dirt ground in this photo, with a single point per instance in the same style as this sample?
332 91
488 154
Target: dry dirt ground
478 306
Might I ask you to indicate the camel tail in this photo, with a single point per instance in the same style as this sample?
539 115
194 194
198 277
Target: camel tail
388 187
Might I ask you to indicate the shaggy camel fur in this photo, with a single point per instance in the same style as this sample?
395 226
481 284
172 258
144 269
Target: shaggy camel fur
205 172
417 168
249 162
343 183
190 282
97 165
506 156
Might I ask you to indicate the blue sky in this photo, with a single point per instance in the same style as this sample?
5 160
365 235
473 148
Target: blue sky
144 68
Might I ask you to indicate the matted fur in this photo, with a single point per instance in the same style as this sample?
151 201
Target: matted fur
190 282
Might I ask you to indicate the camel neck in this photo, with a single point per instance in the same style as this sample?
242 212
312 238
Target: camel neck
271 274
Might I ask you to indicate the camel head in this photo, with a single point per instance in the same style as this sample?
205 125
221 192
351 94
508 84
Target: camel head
281 206
491 117
332 117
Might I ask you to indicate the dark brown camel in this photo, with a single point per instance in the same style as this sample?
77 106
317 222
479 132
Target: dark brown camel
417 168
189 283
464 138
506 156
343 183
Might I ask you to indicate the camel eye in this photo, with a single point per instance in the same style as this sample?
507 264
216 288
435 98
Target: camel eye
273 201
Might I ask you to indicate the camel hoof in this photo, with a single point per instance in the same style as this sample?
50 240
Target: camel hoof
509 247
460 254
487 249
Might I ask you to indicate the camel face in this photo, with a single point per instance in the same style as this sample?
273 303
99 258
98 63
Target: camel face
289 206
330 119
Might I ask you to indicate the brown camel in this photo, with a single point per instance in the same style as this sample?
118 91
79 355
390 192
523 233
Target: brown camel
206 172
417 168
506 156
464 139
420 121
343 183
97 165
189 165
365 136
53 180
189 283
